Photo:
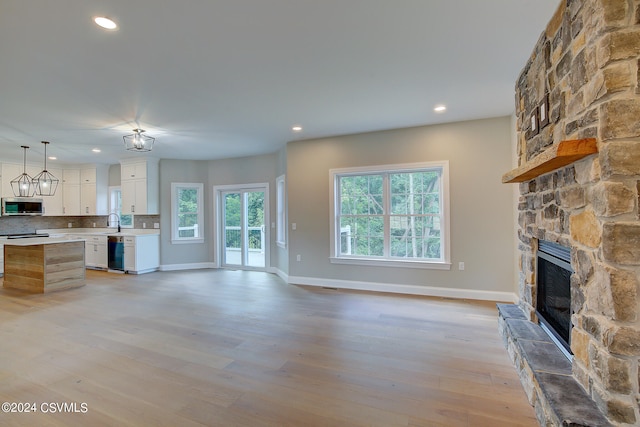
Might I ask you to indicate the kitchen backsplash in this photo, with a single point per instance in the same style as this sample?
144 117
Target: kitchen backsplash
28 224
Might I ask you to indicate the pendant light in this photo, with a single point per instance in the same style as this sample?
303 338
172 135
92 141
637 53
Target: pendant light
45 183
22 186
138 142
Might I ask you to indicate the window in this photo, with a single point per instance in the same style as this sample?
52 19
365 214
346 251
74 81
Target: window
186 213
115 206
281 217
393 215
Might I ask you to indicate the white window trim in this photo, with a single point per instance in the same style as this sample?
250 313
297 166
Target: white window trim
113 209
445 264
281 212
175 239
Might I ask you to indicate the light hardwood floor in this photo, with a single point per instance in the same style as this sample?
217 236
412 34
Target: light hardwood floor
237 348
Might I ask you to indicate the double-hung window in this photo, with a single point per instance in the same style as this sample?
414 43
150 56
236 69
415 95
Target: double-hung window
395 215
187 217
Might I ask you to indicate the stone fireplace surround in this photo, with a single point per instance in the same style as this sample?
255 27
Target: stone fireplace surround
586 64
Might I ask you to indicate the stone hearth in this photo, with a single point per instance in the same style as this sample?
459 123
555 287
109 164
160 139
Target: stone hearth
584 77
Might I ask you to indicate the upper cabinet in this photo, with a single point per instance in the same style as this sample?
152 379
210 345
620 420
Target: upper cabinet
140 186
86 190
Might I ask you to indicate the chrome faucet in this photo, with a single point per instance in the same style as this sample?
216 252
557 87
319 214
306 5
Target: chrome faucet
117 217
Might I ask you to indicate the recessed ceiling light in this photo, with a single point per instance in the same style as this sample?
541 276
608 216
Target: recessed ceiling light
52 158
105 23
440 109
96 150
297 128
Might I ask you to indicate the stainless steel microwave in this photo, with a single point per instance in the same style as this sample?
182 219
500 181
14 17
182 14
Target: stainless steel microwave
21 206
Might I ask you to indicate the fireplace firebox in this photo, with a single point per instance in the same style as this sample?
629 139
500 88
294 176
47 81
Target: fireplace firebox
553 304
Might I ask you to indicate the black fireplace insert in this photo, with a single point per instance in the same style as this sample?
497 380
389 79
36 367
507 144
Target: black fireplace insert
553 304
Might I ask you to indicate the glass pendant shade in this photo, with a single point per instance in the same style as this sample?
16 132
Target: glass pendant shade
45 183
22 185
138 142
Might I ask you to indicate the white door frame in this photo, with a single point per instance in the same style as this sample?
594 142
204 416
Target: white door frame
218 232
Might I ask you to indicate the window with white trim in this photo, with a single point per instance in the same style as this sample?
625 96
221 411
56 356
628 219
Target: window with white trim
281 217
187 217
391 215
115 206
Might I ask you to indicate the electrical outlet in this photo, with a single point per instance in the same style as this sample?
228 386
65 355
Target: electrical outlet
144 225
94 225
156 225
461 266
298 257
273 225
294 225
70 225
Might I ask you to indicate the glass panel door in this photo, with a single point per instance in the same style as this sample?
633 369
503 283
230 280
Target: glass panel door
232 229
254 202
243 222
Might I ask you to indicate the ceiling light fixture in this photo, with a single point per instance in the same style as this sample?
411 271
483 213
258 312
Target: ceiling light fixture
105 23
297 128
440 109
22 185
137 141
96 150
45 183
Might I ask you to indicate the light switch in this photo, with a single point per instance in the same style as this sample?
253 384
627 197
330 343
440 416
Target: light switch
293 225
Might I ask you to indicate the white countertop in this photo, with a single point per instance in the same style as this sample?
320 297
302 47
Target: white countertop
32 241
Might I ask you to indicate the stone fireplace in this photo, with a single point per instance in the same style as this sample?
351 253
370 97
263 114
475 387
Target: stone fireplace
581 88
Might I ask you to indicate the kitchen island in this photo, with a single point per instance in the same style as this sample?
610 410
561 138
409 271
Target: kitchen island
44 264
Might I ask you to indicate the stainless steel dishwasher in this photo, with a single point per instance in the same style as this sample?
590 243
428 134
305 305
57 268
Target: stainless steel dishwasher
115 246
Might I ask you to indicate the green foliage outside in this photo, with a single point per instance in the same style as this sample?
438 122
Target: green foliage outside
233 218
188 212
414 214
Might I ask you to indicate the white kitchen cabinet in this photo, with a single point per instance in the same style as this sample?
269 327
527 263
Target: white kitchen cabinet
134 170
54 205
141 253
71 199
88 199
71 192
85 190
96 252
71 176
1 258
139 186
10 171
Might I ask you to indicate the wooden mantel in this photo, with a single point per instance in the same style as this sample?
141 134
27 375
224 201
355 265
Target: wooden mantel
555 157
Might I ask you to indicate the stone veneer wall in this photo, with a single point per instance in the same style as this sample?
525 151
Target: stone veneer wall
587 63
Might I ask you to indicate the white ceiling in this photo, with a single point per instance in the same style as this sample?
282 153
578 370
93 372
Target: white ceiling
215 79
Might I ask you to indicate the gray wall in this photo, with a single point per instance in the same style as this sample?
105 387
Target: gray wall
482 215
479 152
193 171
245 170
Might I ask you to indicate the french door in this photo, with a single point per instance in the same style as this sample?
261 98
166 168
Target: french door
243 236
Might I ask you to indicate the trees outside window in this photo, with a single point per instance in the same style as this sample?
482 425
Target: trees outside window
395 213
186 213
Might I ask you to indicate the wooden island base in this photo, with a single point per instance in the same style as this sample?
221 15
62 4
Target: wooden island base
44 267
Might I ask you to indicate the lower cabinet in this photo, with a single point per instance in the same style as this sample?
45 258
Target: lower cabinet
141 253
96 252
2 259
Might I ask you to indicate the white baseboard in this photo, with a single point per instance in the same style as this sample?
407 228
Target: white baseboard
192 266
405 289
284 276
